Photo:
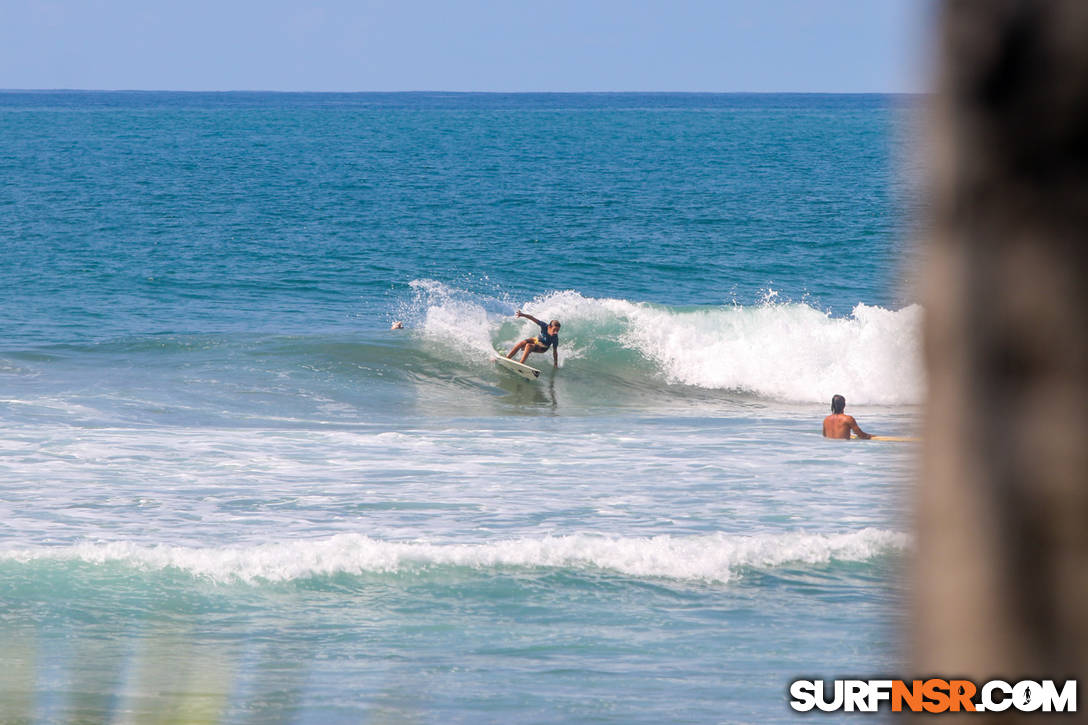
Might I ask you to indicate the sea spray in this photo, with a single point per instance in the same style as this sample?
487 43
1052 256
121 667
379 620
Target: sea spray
788 352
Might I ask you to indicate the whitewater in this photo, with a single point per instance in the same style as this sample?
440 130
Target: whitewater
775 350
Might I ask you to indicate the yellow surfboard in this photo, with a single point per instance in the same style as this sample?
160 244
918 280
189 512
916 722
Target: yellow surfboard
898 439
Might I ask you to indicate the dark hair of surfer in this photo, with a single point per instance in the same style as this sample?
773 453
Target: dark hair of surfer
838 404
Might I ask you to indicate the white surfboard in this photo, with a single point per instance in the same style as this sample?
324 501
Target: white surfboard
515 367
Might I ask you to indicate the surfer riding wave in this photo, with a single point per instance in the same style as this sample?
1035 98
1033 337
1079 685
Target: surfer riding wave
548 338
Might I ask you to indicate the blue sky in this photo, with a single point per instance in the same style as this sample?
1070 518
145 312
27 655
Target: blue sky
467 45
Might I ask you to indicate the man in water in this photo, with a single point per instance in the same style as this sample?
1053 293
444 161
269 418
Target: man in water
839 424
548 337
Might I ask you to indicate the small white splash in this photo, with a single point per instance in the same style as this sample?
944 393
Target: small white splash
712 558
458 322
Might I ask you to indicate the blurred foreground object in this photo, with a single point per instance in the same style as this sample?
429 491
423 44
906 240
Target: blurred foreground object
1002 568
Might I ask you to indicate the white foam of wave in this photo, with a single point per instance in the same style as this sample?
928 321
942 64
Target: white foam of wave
714 557
456 319
788 351
785 351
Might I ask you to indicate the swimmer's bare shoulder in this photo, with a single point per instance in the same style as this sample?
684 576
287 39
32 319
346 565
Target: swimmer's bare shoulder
839 424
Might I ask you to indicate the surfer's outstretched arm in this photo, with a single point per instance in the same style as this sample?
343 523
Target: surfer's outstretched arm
528 317
555 355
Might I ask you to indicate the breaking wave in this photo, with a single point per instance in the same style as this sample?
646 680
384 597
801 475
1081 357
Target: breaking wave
782 351
712 558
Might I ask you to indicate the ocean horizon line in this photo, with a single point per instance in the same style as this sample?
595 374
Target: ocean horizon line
462 92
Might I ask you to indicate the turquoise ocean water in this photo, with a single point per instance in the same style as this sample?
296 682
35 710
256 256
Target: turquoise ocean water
230 493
